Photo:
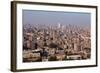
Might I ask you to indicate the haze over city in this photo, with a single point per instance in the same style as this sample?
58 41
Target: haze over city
53 17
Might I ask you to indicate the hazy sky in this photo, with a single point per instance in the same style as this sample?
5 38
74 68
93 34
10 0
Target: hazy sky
53 17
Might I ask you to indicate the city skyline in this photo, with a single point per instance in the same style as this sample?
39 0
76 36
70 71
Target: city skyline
53 18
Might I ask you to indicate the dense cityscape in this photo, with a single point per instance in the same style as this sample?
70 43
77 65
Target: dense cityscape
55 42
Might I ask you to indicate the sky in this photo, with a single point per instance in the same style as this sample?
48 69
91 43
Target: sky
54 17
